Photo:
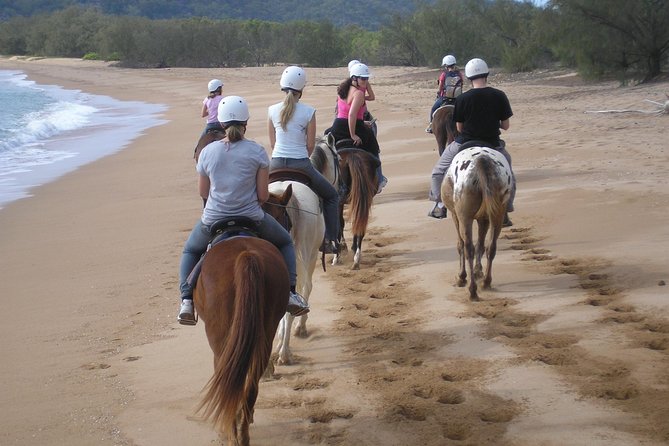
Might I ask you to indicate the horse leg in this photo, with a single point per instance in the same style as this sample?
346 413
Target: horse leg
285 357
483 225
466 236
342 241
491 252
357 251
301 327
461 278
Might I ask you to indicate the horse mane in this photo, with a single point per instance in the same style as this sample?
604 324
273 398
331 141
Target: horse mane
319 159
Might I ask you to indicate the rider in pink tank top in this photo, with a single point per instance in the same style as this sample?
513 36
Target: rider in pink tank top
343 108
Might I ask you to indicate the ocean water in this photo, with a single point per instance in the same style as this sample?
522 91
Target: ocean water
47 131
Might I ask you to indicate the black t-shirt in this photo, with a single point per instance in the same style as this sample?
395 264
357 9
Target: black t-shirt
481 110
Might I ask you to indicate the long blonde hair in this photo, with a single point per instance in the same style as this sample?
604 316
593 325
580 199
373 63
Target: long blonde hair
288 109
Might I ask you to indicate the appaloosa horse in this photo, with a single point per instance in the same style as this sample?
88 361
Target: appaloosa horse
477 186
241 295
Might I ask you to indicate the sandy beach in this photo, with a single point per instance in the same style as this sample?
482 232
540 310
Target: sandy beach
571 346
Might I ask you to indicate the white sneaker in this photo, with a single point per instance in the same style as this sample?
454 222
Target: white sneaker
186 313
297 306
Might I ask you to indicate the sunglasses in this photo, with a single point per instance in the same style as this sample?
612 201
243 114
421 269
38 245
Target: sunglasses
363 78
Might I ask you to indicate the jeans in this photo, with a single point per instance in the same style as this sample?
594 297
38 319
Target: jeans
445 160
321 186
212 126
200 237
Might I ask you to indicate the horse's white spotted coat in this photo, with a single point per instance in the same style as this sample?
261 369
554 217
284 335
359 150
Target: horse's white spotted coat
461 168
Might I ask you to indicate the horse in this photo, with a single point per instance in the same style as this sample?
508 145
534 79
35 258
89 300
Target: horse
207 138
241 295
307 228
443 127
359 183
477 186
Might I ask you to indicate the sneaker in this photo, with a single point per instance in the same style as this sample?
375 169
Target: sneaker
507 221
297 306
429 128
329 247
437 212
186 313
382 184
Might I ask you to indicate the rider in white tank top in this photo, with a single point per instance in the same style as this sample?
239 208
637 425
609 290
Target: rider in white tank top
291 142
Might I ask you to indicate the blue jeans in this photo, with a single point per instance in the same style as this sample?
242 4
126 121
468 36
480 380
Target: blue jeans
212 126
200 237
321 186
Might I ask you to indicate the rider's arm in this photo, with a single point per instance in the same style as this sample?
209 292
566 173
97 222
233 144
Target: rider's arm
504 125
203 184
459 126
356 103
272 133
262 184
369 93
311 134
205 112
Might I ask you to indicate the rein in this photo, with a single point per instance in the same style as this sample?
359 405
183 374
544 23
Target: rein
291 207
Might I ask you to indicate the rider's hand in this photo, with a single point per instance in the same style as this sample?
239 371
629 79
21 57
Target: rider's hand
356 140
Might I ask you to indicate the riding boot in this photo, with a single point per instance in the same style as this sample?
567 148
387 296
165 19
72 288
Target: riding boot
297 305
382 179
507 221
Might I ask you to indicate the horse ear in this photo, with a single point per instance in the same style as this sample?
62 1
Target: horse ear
285 197
330 139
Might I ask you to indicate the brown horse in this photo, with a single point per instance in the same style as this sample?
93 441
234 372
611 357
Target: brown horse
443 127
207 138
477 187
359 179
241 295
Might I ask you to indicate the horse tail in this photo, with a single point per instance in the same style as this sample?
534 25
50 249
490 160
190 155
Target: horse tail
361 194
486 176
245 355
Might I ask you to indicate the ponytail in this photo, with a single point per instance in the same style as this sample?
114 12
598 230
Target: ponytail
235 130
344 87
288 109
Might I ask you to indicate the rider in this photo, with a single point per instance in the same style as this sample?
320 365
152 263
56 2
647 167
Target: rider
210 106
292 136
479 115
450 86
233 177
351 105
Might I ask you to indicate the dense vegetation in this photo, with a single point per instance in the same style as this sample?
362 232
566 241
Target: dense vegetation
600 37
368 14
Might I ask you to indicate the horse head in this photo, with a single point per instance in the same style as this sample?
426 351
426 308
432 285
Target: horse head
277 206
325 159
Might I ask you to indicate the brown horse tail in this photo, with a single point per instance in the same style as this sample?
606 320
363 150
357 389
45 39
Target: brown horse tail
485 175
244 357
363 189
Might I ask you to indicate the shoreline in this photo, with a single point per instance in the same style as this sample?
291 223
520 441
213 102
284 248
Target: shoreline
92 352
112 127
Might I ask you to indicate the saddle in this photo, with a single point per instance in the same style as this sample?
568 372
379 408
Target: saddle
290 175
478 143
223 230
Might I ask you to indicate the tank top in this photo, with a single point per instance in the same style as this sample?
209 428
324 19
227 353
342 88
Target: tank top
344 107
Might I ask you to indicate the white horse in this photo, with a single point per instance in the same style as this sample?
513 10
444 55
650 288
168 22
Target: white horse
477 186
308 228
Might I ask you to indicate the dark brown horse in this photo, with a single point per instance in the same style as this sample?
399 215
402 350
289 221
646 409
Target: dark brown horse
477 187
241 295
209 137
443 127
359 178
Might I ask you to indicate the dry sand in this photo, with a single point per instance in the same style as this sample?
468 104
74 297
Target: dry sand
571 346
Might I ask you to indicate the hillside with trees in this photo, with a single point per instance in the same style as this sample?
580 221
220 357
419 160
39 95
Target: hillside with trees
628 40
368 15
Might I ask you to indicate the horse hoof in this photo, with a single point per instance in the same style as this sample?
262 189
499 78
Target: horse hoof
284 360
474 298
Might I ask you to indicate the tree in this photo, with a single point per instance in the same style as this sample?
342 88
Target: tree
634 34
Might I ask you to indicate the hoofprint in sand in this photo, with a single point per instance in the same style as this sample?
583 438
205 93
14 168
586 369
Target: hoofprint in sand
569 347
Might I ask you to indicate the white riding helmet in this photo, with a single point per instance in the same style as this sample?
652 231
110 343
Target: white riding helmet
351 63
233 108
448 60
476 68
293 78
360 70
214 85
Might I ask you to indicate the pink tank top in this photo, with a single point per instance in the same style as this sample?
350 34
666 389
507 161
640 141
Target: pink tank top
343 108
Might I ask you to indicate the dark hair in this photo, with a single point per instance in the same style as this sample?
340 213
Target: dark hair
344 87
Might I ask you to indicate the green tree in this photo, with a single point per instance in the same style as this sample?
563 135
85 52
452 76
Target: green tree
629 34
